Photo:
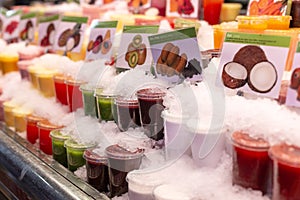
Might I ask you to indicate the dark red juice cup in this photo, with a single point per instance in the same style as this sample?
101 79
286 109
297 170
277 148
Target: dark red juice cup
45 127
74 94
120 162
128 113
286 176
60 88
32 131
251 163
150 108
96 170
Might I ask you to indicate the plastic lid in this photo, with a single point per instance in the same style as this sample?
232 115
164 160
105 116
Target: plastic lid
126 101
170 192
70 143
47 125
60 77
92 156
118 152
204 126
287 154
71 81
21 111
244 140
9 104
177 118
7 57
150 93
34 68
89 87
98 91
24 64
57 134
34 118
46 73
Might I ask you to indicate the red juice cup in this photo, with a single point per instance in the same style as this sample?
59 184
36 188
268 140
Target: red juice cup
45 127
96 170
251 163
286 176
212 11
150 108
74 95
60 88
120 162
128 113
32 131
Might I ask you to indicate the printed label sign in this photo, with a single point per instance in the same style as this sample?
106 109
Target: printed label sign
10 28
269 7
253 63
47 29
176 55
27 27
182 8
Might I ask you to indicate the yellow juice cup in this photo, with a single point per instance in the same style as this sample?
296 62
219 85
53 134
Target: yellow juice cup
230 11
33 70
46 82
20 115
9 62
8 107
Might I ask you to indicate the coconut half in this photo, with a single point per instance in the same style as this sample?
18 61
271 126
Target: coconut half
262 77
234 75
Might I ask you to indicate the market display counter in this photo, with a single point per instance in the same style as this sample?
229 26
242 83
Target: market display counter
26 173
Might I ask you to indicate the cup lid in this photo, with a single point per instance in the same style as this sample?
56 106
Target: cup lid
47 125
245 140
92 156
126 101
154 92
284 153
71 143
88 87
57 134
71 81
118 152
34 118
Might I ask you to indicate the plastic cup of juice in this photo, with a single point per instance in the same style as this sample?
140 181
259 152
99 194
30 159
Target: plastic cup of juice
60 88
96 170
212 11
75 152
128 113
105 106
120 162
8 107
45 127
20 118
74 95
254 23
9 62
46 83
278 22
23 68
32 131
230 11
286 167
170 192
89 100
33 70
150 108
59 152
251 163
30 52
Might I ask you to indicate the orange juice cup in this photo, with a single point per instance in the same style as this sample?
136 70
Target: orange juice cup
254 23
220 32
9 62
46 82
8 107
20 118
33 70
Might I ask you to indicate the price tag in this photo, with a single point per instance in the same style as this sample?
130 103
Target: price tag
253 63
27 27
10 28
183 8
48 27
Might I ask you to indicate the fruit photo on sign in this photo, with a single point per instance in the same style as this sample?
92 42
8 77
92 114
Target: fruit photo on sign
11 27
48 39
250 66
295 82
27 32
182 7
70 38
136 52
267 7
100 44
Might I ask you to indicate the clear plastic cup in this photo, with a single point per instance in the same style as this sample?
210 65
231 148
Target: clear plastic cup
23 68
88 98
74 95
46 83
150 108
20 118
120 162
32 131
105 106
30 52
33 70
96 170
251 163
60 88
177 140
128 113
8 107
45 127
59 152
230 11
170 192
75 152
9 62
286 176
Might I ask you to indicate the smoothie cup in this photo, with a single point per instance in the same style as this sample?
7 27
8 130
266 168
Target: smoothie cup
150 108
59 152
9 62
8 107
251 163
23 68
212 11
128 113
46 83
286 176
20 118
32 131
30 52
45 127
120 162
75 152
60 88
177 138
105 106
141 185
229 11
96 170
170 192
33 70
74 95
89 100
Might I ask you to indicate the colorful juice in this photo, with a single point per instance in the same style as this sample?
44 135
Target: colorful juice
74 94
60 89
32 131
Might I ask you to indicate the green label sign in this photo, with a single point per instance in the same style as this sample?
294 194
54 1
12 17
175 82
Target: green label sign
140 29
28 16
104 24
82 20
48 18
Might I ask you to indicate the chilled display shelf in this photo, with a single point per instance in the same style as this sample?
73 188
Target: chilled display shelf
27 173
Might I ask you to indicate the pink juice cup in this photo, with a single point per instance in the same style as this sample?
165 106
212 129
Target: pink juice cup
74 95
60 88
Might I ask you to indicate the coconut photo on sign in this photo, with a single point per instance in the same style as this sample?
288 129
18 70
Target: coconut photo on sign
293 90
253 63
70 34
176 55
48 26
134 50
27 27
101 39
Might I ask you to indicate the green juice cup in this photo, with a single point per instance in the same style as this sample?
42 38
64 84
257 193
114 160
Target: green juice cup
89 100
105 106
59 152
75 152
